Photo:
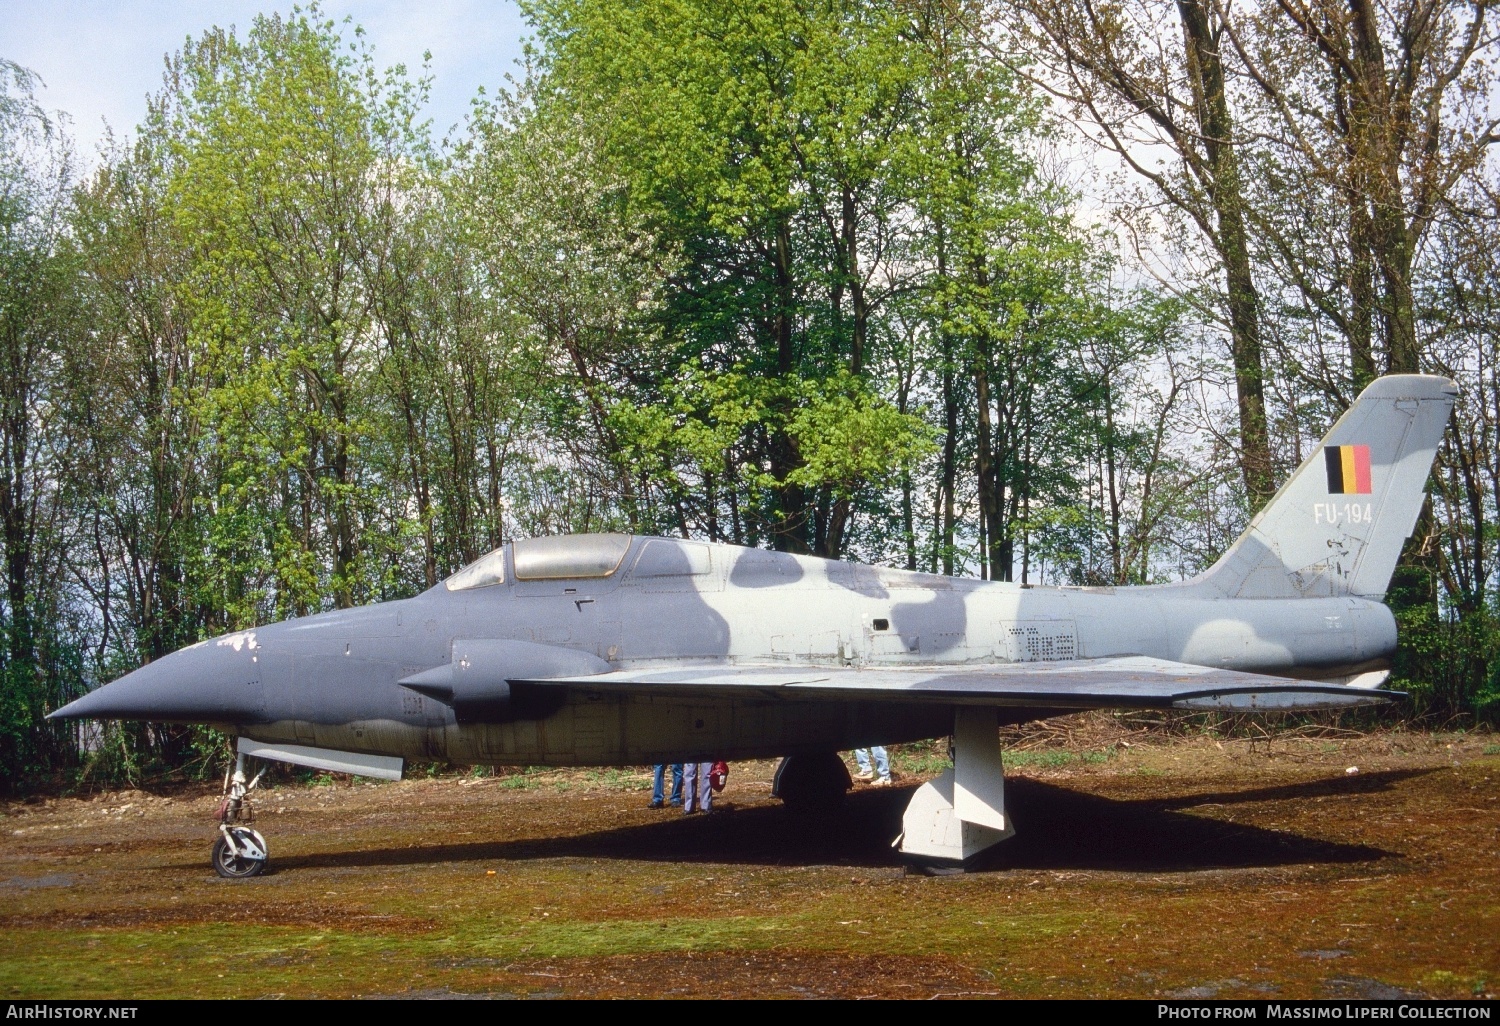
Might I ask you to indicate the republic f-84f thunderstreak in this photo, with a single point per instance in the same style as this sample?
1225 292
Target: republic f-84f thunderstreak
610 649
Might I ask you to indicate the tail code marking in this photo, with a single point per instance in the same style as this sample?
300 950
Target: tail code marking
1348 469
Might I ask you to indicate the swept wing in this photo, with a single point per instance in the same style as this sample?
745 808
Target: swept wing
1120 682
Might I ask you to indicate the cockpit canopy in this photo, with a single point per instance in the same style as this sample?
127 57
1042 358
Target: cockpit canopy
547 559
569 555
486 570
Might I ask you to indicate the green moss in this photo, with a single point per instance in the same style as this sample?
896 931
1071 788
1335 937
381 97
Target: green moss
461 929
213 960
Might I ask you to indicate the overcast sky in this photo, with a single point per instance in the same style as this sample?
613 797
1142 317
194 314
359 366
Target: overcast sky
100 58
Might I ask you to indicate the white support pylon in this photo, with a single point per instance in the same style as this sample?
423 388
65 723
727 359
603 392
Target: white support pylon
962 812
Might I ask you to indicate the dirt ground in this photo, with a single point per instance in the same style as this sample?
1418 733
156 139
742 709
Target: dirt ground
1298 867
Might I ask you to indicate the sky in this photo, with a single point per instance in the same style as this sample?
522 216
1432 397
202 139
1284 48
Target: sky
99 59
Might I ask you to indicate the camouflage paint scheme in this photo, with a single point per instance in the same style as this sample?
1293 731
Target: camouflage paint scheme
609 649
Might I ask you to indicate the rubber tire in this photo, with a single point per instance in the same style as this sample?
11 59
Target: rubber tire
231 866
812 784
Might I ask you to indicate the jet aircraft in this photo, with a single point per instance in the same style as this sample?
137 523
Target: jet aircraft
617 650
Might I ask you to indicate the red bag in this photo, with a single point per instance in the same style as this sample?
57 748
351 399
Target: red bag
718 776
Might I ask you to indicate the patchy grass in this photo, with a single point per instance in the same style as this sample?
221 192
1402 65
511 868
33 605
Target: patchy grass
1195 866
929 758
1054 758
618 779
924 759
565 780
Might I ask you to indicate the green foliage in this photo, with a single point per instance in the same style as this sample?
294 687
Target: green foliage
40 320
1449 660
288 151
848 439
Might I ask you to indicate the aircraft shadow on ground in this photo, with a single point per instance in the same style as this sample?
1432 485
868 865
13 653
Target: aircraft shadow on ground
1364 783
1056 828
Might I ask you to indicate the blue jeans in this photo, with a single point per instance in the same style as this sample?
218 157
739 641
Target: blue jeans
882 763
699 794
658 781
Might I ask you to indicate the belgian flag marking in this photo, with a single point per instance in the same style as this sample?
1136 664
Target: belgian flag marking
1348 469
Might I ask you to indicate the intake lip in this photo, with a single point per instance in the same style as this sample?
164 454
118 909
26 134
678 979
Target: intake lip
476 682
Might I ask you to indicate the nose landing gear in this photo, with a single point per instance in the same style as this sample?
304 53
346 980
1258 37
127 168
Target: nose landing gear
239 850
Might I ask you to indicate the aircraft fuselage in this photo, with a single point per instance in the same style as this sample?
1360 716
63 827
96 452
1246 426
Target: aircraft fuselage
330 681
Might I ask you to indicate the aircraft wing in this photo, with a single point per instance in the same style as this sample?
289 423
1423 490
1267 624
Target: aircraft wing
1130 682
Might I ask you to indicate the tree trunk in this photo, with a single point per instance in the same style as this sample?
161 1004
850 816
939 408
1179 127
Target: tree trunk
1378 166
14 502
948 472
984 463
1112 487
790 529
1361 296
344 544
858 300
1206 72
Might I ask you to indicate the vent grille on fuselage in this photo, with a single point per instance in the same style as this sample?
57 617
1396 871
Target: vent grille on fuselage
1035 644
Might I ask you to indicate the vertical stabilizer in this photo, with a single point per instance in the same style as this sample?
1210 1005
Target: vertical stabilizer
1337 526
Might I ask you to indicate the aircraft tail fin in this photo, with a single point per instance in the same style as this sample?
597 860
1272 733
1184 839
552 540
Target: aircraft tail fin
1337 526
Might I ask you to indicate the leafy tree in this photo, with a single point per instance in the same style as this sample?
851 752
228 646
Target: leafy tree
1137 95
39 665
290 154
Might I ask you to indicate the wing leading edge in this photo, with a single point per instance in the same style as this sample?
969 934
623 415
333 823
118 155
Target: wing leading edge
1128 682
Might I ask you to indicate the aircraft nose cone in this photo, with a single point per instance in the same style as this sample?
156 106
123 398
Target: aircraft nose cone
214 681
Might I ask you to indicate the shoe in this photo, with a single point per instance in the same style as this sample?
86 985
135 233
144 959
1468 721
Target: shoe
882 782
864 776
654 805
677 803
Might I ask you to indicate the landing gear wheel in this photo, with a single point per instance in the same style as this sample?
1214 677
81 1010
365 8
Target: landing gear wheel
236 865
239 851
812 784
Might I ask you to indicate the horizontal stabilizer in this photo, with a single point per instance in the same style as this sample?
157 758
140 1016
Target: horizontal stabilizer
1124 682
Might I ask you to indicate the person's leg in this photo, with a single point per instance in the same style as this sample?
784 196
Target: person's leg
882 763
656 786
689 789
705 772
677 783
862 759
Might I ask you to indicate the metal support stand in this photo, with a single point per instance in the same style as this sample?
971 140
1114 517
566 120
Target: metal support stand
962 812
238 780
